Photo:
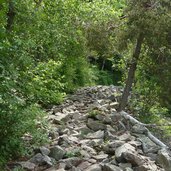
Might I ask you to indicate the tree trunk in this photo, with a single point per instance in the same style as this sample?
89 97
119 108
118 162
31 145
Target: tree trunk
10 16
131 73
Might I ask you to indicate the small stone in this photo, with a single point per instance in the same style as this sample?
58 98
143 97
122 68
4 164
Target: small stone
126 137
97 135
84 165
100 157
95 167
110 167
27 165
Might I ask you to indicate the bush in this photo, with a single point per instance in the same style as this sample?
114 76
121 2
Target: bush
45 84
16 118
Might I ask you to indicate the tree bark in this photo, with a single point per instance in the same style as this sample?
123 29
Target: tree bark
10 16
131 73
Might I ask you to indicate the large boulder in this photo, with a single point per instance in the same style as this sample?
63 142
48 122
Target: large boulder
164 159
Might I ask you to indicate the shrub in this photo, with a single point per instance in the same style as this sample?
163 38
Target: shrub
45 84
16 118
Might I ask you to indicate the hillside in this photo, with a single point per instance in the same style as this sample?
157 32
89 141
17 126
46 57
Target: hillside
87 134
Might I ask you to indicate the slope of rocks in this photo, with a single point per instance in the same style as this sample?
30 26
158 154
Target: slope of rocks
87 134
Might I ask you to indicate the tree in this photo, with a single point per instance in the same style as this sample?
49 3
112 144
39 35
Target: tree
146 22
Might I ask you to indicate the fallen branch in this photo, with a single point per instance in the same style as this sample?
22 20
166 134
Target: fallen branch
135 121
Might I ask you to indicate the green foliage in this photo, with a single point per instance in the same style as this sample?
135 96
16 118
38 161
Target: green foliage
73 153
46 85
93 113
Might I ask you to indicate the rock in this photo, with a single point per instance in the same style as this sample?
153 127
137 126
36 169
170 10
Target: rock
89 149
104 118
84 165
44 150
139 129
70 162
85 154
95 167
40 159
100 157
110 147
164 159
28 165
125 165
126 137
147 167
125 148
57 152
128 169
152 156
58 118
95 125
110 167
75 169
97 135
84 130
136 144
148 145
133 158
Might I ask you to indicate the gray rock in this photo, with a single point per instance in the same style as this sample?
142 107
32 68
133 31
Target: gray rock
104 118
110 167
147 167
27 165
148 145
139 129
70 162
57 152
40 159
97 135
125 148
95 125
44 150
100 157
152 156
136 144
126 137
84 165
75 169
89 149
164 159
125 165
95 167
110 147
58 118
128 169
133 158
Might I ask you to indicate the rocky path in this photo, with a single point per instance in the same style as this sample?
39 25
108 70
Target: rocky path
87 134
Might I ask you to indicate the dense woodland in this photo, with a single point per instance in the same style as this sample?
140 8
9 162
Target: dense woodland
49 49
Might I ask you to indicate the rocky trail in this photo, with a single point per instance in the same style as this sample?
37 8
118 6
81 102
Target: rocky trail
87 134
